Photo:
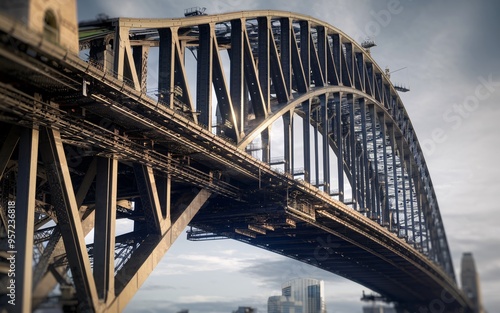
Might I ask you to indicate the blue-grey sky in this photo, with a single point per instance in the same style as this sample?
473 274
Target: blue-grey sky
450 51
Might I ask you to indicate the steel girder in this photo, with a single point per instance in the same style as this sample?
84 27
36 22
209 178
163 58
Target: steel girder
281 65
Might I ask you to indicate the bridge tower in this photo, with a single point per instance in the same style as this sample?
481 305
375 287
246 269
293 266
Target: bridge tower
56 19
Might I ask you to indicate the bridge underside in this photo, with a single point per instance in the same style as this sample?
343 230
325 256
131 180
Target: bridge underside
328 239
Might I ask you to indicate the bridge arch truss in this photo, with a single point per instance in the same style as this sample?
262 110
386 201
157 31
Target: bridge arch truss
279 64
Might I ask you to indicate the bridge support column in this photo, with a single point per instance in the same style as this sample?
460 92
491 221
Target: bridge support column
322 52
305 50
68 217
352 151
365 162
412 210
104 235
237 81
385 218
264 67
288 140
266 145
420 215
166 68
140 54
326 142
337 99
286 52
316 147
404 191
24 212
375 210
204 77
306 130
393 143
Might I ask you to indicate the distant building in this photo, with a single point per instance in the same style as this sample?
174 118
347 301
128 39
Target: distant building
302 295
245 309
470 281
308 291
375 308
274 304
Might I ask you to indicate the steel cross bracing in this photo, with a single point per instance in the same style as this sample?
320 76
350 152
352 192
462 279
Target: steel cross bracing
85 145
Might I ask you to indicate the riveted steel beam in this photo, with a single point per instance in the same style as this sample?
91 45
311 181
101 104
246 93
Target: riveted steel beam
237 76
306 138
366 164
64 201
340 143
105 221
286 33
140 54
204 76
264 61
229 124
278 67
326 142
24 212
288 140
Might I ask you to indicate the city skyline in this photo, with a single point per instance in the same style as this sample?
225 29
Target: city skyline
451 77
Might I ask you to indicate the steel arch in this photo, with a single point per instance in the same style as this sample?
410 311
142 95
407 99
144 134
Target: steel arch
382 93
331 59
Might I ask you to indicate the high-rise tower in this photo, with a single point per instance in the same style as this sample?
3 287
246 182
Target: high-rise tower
470 281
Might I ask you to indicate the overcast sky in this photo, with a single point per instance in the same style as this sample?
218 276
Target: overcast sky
450 50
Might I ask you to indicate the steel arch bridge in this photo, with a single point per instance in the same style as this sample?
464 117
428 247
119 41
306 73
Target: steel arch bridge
342 185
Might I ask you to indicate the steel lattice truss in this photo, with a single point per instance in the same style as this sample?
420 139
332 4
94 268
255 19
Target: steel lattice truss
86 146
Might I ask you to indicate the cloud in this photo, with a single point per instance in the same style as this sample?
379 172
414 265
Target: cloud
229 260
274 273
200 298
158 286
